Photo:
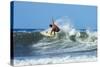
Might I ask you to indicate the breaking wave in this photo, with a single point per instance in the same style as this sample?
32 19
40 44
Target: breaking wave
67 42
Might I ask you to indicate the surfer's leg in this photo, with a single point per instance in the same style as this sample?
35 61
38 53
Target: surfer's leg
54 32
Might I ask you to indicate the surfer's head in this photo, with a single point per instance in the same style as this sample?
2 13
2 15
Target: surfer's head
50 25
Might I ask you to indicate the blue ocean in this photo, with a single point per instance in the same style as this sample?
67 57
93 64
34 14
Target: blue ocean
70 45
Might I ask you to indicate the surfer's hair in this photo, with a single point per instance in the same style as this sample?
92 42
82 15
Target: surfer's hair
50 25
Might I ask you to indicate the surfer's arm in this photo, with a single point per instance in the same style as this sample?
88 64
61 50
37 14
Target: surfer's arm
53 22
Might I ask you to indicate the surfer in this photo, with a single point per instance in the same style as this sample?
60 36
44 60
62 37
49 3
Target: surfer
54 27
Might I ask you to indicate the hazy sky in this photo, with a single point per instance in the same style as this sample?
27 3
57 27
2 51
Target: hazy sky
38 15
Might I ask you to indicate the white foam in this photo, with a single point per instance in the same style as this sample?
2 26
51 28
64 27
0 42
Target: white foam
65 25
54 60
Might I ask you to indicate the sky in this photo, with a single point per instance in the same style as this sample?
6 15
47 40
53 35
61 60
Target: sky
33 15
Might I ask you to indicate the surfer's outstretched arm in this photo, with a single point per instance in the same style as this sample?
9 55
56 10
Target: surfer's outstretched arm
53 22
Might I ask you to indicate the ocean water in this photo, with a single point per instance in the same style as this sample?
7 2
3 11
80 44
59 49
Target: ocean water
70 45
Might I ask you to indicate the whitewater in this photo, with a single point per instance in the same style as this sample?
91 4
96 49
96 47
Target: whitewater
70 45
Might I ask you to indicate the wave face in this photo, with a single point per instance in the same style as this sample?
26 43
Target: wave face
70 45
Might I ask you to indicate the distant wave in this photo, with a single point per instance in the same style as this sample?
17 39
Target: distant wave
27 30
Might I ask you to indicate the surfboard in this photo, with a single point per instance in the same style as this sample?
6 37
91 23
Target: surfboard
48 33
